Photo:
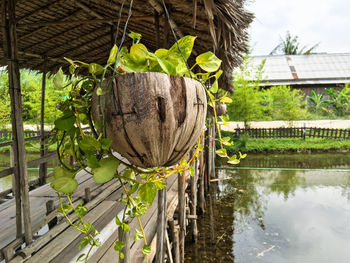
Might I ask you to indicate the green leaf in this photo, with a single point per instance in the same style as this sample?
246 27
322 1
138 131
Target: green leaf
133 188
192 171
242 156
136 37
121 255
140 210
138 235
117 221
112 54
146 250
64 209
160 185
167 67
66 122
186 46
83 243
214 88
129 175
89 143
208 61
233 160
118 245
66 185
221 152
147 192
58 79
138 52
161 53
225 100
133 65
92 161
106 171
125 227
105 143
95 69
81 210
60 171
81 258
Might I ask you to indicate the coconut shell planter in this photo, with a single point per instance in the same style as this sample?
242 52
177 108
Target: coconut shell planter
153 119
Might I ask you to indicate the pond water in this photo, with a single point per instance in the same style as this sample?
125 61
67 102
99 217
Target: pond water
33 172
278 209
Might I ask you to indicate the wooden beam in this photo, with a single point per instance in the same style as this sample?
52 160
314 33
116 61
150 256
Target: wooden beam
90 11
89 21
20 168
74 14
39 10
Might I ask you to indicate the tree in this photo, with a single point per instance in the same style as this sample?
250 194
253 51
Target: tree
339 101
284 103
317 102
291 46
246 99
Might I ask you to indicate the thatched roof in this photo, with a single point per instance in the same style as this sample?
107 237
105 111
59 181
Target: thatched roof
84 29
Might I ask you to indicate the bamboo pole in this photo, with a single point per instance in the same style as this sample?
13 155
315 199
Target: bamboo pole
43 166
161 226
10 40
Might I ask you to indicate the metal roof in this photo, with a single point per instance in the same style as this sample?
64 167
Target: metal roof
305 69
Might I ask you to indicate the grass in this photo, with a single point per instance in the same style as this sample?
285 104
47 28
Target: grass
246 144
31 147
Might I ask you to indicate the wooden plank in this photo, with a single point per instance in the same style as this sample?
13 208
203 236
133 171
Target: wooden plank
161 226
59 244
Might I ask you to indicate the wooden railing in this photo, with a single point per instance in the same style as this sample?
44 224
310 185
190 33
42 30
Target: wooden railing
293 133
29 136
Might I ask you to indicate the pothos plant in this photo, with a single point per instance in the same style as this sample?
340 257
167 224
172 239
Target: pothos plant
89 150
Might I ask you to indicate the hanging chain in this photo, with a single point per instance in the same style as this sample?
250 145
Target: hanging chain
120 15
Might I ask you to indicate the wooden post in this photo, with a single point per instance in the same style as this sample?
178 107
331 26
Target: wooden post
20 168
16 190
182 214
43 166
49 208
176 245
201 179
193 203
161 226
87 197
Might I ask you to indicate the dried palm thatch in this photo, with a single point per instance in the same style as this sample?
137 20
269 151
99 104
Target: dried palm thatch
48 30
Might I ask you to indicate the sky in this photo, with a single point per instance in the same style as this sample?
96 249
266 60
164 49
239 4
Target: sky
326 22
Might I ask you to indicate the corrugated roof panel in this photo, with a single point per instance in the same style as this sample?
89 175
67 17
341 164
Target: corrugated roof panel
327 67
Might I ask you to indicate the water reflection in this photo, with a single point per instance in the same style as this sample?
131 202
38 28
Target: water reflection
33 172
277 216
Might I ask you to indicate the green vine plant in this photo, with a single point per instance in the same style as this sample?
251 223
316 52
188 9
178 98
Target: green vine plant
88 150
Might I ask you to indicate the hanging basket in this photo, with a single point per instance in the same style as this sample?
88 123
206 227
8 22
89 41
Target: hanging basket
153 119
220 109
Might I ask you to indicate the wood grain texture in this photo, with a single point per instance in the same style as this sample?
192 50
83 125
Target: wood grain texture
153 119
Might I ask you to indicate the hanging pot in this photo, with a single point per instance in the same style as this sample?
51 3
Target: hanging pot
220 109
153 119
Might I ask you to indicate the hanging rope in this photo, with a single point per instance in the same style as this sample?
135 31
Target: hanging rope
120 15
174 34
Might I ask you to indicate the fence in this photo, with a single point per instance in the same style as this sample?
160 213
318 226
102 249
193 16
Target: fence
6 138
293 133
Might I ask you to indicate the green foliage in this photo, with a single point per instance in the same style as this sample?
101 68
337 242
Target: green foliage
316 101
283 103
246 99
31 85
339 101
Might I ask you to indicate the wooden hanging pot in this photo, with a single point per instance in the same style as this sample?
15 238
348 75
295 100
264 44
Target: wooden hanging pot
153 119
220 109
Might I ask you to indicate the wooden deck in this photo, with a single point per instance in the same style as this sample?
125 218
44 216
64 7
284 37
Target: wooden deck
60 244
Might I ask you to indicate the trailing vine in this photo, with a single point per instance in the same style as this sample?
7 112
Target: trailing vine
81 140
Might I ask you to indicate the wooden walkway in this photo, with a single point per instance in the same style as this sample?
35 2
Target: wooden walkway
38 199
60 244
